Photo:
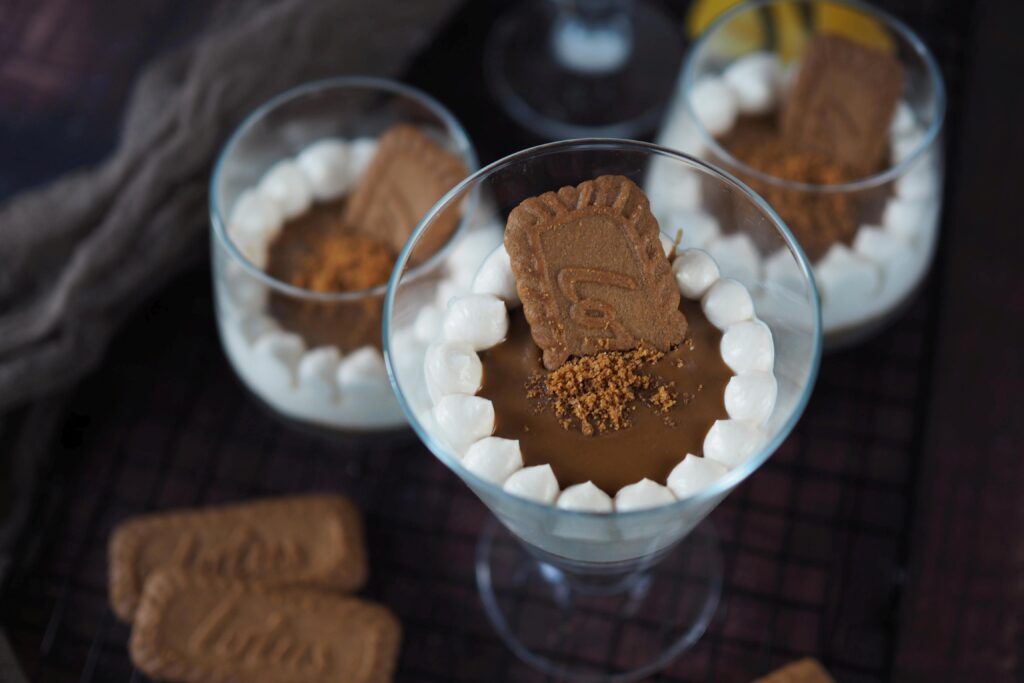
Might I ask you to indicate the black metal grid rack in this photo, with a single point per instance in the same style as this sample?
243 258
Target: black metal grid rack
815 542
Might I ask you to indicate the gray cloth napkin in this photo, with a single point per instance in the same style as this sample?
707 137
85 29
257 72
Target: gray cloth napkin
78 255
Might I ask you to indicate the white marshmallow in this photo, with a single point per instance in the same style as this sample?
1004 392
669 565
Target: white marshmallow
286 186
494 459
325 164
535 483
731 442
679 133
727 302
901 263
715 105
255 327
479 319
877 245
756 80
748 346
782 268
427 326
667 245
462 420
695 271
906 145
848 284
247 293
447 290
643 494
360 153
906 218
471 250
254 219
918 182
699 228
362 368
751 396
317 373
278 354
452 368
737 256
496 278
693 474
903 120
671 186
585 497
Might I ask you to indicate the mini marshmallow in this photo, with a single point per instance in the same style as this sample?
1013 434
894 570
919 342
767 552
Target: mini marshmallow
731 442
918 182
317 373
452 367
360 153
494 459
325 164
471 250
427 326
535 483
286 186
679 133
585 497
727 302
903 120
737 256
699 228
671 187
667 245
246 292
479 319
279 354
756 80
848 285
462 420
715 105
906 145
254 327
783 269
254 218
496 278
447 290
695 271
906 218
748 346
693 474
877 245
643 494
751 396
361 368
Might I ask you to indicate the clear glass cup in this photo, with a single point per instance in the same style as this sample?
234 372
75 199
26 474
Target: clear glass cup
583 566
330 372
868 280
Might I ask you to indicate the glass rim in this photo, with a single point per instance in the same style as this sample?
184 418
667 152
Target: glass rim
721 485
384 85
888 174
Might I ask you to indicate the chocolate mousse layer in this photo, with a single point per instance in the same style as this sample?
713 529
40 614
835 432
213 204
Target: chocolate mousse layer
319 252
659 432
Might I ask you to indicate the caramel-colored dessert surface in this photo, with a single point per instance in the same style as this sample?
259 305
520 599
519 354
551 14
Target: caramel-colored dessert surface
653 443
319 252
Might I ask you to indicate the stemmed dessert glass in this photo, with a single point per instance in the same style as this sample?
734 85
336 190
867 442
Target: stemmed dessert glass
896 210
552 593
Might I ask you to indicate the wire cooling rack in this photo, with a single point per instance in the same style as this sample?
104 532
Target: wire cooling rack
815 543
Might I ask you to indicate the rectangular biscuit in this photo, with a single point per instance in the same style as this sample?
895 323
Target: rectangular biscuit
806 670
313 541
204 629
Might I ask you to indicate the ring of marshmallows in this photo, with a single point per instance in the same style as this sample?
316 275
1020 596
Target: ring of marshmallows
323 171
885 262
465 421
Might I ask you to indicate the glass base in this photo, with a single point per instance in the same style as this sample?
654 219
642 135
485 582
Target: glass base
587 628
622 94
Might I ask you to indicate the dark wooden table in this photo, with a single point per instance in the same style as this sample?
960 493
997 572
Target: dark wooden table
886 537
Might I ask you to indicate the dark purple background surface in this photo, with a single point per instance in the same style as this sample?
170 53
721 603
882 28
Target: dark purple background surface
886 537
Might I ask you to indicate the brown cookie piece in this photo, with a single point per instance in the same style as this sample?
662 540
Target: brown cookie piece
843 101
314 541
407 176
201 629
806 670
591 271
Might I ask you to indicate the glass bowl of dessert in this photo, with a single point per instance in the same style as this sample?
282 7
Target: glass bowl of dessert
311 201
836 119
601 388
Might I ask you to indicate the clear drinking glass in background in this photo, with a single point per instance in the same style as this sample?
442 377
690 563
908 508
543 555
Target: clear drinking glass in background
864 285
582 570
316 382
578 68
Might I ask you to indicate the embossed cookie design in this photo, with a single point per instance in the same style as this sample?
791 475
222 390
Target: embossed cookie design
591 271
